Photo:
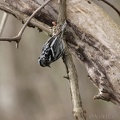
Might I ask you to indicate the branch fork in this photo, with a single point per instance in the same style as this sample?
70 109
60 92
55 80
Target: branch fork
19 36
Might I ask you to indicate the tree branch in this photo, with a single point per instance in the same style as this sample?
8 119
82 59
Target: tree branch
92 36
23 17
3 21
18 37
112 6
78 110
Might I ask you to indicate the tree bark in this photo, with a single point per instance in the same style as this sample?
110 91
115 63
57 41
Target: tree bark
92 36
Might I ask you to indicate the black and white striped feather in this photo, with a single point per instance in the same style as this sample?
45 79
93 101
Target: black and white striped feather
53 49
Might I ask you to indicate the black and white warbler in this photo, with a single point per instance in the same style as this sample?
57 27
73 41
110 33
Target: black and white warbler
53 49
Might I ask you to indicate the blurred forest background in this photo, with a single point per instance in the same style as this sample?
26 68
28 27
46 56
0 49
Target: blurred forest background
30 92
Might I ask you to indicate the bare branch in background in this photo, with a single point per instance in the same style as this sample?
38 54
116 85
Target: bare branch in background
18 37
3 21
23 17
112 6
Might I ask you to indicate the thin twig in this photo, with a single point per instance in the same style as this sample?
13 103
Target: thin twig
108 3
71 70
18 37
23 17
3 21
78 110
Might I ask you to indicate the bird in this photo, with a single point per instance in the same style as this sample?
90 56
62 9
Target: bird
53 49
